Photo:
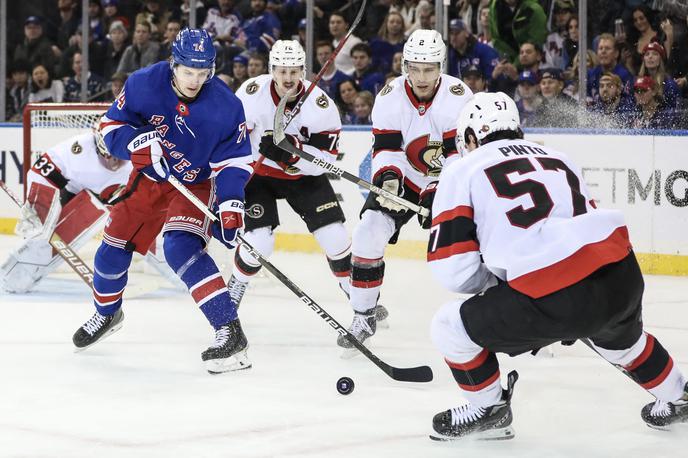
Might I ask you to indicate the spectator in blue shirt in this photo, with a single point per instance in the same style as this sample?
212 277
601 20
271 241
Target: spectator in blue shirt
95 86
654 57
364 75
608 56
390 39
261 29
333 76
651 110
529 97
611 104
465 50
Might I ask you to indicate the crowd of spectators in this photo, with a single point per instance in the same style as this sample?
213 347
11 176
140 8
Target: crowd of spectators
637 62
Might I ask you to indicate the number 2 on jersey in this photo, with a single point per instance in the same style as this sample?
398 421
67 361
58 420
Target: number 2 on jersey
542 202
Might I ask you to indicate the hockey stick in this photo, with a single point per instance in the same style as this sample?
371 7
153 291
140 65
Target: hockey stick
297 108
620 368
411 374
279 137
63 249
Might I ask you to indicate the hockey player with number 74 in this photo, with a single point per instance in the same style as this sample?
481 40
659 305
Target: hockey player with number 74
515 225
176 118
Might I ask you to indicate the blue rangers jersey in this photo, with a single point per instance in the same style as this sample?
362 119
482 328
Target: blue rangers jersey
202 139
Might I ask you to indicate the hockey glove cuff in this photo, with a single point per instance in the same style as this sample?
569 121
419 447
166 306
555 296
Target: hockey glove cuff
426 199
231 219
147 156
390 181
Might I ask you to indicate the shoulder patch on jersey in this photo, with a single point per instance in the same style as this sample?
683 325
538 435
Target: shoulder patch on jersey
457 89
386 90
252 88
322 101
77 148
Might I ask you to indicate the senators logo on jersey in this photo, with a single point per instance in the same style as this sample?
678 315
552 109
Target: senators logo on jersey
252 88
457 89
322 101
425 155
77 148
386 90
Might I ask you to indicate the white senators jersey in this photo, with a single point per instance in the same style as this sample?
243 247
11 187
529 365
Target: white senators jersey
75 165
414 138
525 208
317 126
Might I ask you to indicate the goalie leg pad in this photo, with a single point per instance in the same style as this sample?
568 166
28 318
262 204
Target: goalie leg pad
110 276
475 369
186 255
26 266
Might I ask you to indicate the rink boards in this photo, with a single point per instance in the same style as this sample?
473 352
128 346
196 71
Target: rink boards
645 176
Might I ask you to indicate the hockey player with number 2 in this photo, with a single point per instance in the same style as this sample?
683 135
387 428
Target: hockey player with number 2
515 225
68 186
414 122
176 118
303 185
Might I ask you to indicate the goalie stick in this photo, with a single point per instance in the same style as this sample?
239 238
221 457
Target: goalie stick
279 138
297 108
411 374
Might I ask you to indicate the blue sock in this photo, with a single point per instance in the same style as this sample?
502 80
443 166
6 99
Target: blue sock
111 265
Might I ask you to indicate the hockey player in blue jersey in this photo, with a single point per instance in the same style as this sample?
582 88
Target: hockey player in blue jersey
175 118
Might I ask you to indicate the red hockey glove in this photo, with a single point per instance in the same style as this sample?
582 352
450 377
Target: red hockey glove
147 156
231 219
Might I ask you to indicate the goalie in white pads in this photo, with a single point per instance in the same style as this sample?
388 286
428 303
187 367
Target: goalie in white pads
414 124
68 187
302 184
515 225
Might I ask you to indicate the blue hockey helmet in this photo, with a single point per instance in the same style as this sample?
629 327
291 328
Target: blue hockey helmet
194 48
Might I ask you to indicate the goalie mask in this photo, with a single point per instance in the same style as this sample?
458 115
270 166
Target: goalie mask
108 161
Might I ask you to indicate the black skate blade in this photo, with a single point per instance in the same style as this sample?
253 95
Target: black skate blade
502 434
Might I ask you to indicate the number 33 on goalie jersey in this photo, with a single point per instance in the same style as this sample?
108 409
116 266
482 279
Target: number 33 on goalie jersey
525 208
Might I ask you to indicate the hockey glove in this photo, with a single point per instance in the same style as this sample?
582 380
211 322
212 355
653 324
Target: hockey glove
426 199
147 156
273 152
390 181
230 220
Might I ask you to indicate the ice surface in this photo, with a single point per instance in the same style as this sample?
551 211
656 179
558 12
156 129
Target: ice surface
144 392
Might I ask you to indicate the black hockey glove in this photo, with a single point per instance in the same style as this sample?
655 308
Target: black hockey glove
426 199
273 152
390 181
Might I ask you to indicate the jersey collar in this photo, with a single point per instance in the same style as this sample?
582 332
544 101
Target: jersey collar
276 97
422 107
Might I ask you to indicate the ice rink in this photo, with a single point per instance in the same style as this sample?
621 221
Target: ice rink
144 392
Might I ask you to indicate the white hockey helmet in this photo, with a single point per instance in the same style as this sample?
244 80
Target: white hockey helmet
287 53
424 46
485 113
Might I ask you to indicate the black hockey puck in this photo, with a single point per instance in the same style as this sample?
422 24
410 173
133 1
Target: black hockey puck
345 385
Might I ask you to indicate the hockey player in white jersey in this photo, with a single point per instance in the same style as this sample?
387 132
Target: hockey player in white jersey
302 184
68 187
515 225
414 124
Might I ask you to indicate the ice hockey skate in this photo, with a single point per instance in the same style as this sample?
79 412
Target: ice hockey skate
381 312
228 352
362 328
481 423
237 289
663 415
97 328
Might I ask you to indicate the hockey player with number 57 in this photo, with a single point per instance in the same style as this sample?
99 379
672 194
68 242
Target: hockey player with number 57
515 225
414 124
176 118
